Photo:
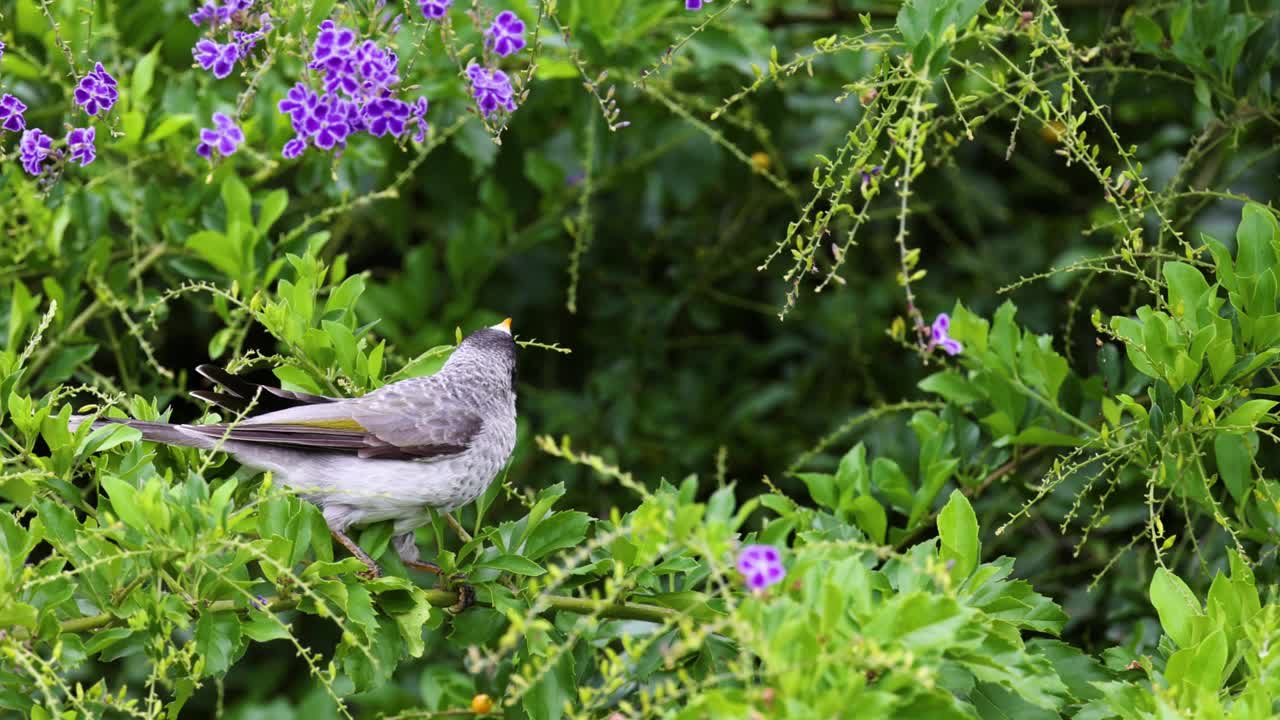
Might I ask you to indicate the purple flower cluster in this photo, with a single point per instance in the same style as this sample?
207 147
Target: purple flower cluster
434 9
359 82
96 91
491 89
34 149
506 35
225 137
215 14
761 565
246 31
490 86
694 4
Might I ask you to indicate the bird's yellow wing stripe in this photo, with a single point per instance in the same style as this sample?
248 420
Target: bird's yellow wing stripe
336 424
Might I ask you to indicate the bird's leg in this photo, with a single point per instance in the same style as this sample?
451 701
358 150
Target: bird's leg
373 570
407 546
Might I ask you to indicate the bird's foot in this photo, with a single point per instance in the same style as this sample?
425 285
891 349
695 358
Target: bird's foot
455 582
371 572
466 594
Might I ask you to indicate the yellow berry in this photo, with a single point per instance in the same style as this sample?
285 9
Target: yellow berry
481 704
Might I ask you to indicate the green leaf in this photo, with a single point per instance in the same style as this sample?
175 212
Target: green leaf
822 488
143 74
272 208
958 530
514 564
1248 414
217 250
952 386
1148 33
1254 237
1186 287
168 126
1199 669
1176 605
852 472
236 199
442 686
217 640
262 627
1037 435
870 517
107 437
124 500
546 699
1235 464
892 483
561 530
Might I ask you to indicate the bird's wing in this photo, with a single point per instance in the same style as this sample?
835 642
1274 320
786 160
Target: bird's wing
401 421
416 416
241 395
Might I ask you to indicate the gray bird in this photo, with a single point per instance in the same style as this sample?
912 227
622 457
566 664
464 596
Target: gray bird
426 442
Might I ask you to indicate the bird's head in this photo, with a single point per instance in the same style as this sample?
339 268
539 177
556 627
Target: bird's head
490 351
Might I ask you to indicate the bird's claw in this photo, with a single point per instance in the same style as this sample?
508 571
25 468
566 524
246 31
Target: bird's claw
466 593
371 572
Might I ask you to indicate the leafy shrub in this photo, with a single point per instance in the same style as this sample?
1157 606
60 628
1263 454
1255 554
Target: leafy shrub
903 499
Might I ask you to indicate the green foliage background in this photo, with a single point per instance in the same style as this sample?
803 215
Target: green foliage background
722 236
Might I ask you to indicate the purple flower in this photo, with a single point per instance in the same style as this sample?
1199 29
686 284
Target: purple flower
294 148
420 119
1 49
386 115
375 70
761 565
694 4
491 89
80 142
434 9
331 123
506 35
11 109
332 46
206 13
300 105
221 59
940 338
224 137
34 150
96 91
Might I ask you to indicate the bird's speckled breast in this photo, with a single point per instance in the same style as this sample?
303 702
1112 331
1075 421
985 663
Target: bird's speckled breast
483 460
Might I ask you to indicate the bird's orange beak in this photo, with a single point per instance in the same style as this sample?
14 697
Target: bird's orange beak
504 326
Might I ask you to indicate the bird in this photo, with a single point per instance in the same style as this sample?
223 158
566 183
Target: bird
396 453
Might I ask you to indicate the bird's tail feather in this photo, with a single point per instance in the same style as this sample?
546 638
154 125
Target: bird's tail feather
153 431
